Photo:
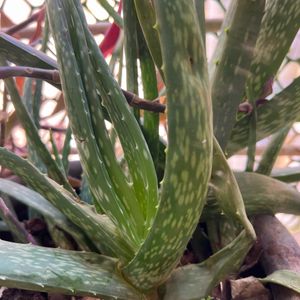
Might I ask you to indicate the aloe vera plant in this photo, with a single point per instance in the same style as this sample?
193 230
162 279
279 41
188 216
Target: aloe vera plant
136 230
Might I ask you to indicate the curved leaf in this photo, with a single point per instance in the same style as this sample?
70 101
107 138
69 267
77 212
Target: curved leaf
80 94
60 271
137 155
281 22
42 206
287 278
231 63
189 152
193 282
261 195
97 227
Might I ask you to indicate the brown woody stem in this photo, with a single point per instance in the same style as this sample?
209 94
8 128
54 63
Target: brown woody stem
14 29
53 77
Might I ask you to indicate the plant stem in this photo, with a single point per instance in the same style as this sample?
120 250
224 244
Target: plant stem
53 77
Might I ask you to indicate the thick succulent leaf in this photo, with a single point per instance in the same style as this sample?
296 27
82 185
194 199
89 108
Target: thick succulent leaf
77 88
196 281
32 101
287 278
105 4
37 202
146 15
227 191
97 227
119 182
282 109
280 24
60 271
66 149
137 155
149 80
188 162
231 63
261 195
21 54
131 46
288 174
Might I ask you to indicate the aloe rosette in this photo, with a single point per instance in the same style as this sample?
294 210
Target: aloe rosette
140 231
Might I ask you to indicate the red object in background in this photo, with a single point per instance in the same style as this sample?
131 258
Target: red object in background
111 37
39 28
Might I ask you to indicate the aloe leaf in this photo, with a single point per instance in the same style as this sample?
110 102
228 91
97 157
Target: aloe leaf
111 11
261 195
189 154
97 227
19 53
146 15
29 104
200 9
60 271
130 45
137 155
33 135
151 120
42 206
196 281
282 109
286 278
85 193
281 22
231 63
77 88
66 149
289 174
58 159
271 153
227 191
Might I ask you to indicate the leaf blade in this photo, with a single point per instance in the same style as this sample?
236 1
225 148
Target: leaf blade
55 270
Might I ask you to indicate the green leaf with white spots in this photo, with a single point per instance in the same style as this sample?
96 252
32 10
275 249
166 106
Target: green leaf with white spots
77 71
196 281
261 194
22 54
146 15
227 192
60 271
37 202
98 228
230 66
286 278
281 22
136 152
189 155
282 109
